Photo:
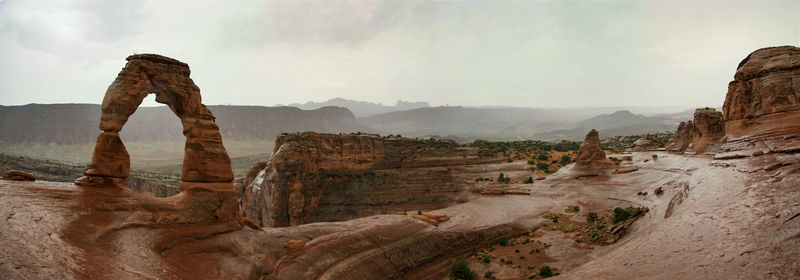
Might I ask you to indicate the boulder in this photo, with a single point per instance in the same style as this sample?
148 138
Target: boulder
17 175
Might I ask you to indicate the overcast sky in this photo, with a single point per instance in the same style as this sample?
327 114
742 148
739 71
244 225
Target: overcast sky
539 54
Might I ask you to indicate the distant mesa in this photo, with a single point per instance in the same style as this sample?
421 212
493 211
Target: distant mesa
362 108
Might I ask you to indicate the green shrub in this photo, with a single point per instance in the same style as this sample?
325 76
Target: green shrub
529 180
531 162
542 166
591 217
545 271
565 159
503 241
543 156
460 270
489 275
620 214
419 212
573 209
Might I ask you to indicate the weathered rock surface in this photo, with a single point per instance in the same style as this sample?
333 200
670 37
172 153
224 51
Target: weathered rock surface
707 127
590 156
205 158
314 177
765 83
17 175
762 111
642 144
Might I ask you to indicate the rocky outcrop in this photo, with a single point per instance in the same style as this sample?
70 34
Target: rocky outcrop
314 177
695 136
591 156
17 175
765 83
642 144
206 165
762 111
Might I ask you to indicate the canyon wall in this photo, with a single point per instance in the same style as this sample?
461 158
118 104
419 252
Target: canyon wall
314 177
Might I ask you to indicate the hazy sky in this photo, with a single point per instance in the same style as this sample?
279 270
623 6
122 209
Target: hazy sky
542 54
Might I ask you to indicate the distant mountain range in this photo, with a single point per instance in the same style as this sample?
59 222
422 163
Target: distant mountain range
508 123
362 108
78 123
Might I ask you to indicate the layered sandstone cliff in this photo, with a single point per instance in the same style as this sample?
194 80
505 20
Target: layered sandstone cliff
762 111
315 177
706 128
765 84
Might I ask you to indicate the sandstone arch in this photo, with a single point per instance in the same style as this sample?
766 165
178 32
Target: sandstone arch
205 159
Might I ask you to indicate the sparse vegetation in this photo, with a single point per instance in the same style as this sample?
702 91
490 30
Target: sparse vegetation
545 271
460 270
591 217
502 178
620 214
573 209
529 180
503 241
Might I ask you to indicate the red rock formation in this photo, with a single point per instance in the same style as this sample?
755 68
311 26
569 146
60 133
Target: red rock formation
591 156
765 83
762 111
206 164
205 159
694 136
17 175
315 177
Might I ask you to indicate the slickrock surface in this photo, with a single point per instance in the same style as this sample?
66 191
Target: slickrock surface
316 177
17 175
694 136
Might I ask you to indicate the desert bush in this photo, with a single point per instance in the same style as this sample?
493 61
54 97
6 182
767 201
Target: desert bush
620 214
591 217
529 180
546 271
531 162
460 270
541 166
488 275
503 241
543 156
573 208
565 159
